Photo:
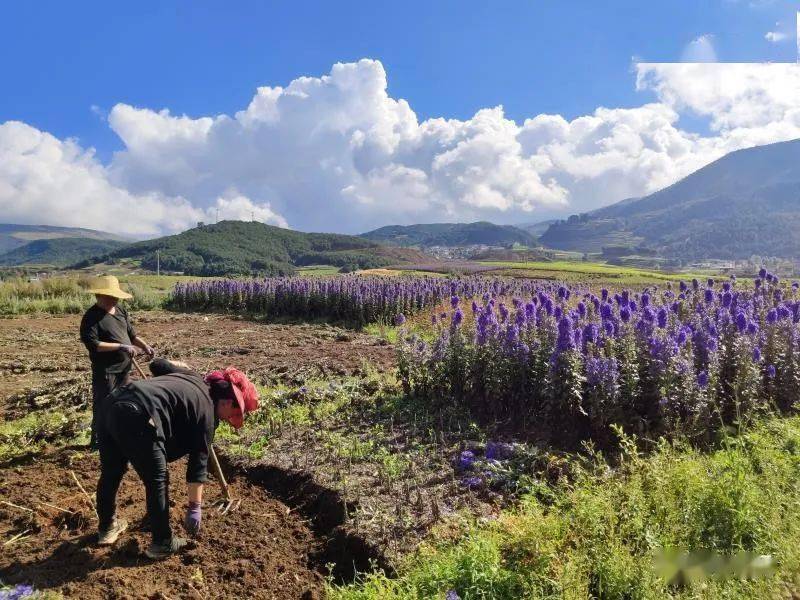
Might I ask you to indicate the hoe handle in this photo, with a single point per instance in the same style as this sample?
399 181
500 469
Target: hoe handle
218 473
138 368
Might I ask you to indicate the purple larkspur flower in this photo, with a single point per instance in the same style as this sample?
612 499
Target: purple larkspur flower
741 321
708 295
452 595
458 317
727 298
772 316
499 450
454 300
590 333
400 319
752 328
702 379
771 371
17 592
465 460
662 317
625 314
608 327
581 309
475 481
756 354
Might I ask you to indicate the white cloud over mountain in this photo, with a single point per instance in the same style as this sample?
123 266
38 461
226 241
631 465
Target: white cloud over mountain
338 153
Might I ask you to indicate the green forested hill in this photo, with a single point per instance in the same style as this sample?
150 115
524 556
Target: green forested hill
245 248
451 234
58 252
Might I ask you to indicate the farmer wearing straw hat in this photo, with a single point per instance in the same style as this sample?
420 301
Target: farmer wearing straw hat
108 335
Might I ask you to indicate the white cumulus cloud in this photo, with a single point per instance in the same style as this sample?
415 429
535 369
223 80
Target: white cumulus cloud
338 153
700 50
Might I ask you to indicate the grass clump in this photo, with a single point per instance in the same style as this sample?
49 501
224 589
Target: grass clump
34 431
597 534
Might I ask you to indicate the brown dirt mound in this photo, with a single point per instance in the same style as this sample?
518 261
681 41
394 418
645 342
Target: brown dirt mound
260 551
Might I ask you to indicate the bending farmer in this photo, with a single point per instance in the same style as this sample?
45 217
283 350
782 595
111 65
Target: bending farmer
152 422
107 333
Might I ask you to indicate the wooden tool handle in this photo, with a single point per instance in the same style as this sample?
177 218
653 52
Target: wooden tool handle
138 368
218 473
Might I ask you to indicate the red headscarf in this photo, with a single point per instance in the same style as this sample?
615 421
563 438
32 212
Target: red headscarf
243 390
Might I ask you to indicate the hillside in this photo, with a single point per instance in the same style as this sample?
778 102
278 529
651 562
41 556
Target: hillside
451 234
745 203
14 236
245 248
538 228
58 252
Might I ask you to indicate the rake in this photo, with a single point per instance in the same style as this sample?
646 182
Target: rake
227 503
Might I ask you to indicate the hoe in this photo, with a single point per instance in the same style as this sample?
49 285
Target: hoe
227 503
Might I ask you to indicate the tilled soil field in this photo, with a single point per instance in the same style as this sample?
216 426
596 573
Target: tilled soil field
262 550
38 350
266 549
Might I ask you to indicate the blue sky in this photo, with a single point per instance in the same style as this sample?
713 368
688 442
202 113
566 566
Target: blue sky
448 58
66 65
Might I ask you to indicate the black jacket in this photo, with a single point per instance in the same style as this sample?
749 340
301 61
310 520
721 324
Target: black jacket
181 411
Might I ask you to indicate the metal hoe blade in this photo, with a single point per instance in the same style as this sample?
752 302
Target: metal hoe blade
226 505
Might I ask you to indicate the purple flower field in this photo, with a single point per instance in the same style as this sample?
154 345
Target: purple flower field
686 358
352 299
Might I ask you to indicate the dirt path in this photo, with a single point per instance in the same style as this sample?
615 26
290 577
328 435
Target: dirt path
260 551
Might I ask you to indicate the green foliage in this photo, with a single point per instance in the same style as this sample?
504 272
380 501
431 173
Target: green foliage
68 295
30 433
597 535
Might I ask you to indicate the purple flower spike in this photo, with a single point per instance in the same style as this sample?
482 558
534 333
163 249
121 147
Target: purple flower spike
771 371
702 379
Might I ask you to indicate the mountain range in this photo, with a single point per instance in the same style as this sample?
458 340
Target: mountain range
743 204
14 236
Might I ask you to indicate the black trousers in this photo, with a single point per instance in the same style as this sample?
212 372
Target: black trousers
125 436
102 385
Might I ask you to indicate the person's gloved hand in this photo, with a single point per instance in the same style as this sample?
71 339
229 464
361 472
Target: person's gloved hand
128 349
194 515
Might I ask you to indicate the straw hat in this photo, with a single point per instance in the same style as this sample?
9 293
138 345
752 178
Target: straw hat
108 285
